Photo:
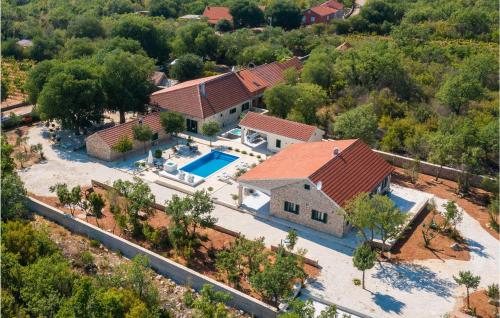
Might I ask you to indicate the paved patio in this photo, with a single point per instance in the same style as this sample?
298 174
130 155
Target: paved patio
418 289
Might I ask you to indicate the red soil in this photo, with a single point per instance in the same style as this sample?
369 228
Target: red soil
479 302
202 263
474 203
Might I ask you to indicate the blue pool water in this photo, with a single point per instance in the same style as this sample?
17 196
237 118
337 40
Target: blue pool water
209 163
235 131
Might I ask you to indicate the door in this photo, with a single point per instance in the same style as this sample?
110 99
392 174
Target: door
191 125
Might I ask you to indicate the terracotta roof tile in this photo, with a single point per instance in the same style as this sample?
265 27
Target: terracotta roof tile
278 126
323 10
333 4
111 135
355 169
221 92
214 14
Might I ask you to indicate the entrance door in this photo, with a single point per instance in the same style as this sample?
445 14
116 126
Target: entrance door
191 125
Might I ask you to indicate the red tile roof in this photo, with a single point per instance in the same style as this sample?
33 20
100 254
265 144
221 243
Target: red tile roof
257 79
333 4
278 126
354 170
111 135
221 92
323 11
214 14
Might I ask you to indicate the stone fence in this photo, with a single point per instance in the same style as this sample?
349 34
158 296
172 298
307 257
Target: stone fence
432 169
180 274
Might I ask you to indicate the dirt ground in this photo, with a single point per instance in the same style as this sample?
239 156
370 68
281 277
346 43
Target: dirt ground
412 247
202 263
72 245
479 302
474 204
12 136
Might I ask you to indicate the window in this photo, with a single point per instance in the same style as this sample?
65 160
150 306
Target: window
278 143
307 187
291 207
318 216
245 106
232 110
313 19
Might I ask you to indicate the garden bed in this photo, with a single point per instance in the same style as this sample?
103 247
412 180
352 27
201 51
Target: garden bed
203 261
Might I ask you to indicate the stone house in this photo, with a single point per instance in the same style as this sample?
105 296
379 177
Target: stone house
279 133
310 183
100 144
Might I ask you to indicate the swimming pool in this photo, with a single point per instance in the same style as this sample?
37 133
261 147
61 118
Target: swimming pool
235 131
209 163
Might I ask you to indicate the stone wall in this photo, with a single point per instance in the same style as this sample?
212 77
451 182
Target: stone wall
164 266
307 201
431 169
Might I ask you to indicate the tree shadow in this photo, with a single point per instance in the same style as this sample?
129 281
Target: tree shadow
388 303
410 277
476 248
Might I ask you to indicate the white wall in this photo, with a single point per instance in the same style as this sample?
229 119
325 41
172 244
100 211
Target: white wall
225 117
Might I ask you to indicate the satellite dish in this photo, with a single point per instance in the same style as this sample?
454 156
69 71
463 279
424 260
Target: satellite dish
319 185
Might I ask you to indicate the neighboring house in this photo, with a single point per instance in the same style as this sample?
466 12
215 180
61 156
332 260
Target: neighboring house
215 14
323 13
278 132
344 47
160 79
220 98
310 183
190 17
25 43
100 144
259 78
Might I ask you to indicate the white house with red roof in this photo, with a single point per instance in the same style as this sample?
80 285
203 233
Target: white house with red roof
323 13
277 132
310 183
223 97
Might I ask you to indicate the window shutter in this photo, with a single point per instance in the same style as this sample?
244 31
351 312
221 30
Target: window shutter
325 217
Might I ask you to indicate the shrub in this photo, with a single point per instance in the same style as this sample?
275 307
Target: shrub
356 281
86 261
258 157
158 153
237 150
95 243
253 165
244 152
229 148
188 298
210 189
251 154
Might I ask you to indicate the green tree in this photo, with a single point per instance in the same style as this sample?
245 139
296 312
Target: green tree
285 14
224 25
291 239
310 99
45 48
467 279
153 39
440 153
360 122
38 76
73 96
97 203
229 262
458 90
275 282
197 38
13 197
210 304
389 218
138 200
126 82
46 284
360 213
123 145
173 123
280 99
142 133
364 258
124 44
246 14
210 129
85 26
320 69
452 216
4 93
76 48
164 8
187 67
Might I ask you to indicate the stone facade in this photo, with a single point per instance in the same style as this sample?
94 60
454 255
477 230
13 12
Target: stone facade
98 148
273 138
307 201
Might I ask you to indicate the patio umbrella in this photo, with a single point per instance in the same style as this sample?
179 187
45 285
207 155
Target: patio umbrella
149 161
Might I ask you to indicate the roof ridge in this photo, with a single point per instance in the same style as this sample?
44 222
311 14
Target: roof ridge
126 123
337 156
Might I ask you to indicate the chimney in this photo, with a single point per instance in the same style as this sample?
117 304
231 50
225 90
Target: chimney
202 89
319 185
336 151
